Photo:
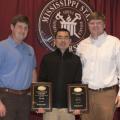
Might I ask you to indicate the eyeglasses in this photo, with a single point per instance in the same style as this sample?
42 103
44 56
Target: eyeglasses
62 38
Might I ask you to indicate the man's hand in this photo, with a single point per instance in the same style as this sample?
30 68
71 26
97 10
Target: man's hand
117 101
76 112
40 110
2 109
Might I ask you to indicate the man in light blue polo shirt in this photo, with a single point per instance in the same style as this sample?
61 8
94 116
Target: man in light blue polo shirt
17 71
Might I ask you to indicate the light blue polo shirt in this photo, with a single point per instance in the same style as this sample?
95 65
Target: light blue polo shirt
16 64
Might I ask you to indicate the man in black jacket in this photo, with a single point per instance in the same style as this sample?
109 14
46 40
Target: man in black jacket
60 67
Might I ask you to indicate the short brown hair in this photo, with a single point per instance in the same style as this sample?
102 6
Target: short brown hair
20 18
96 16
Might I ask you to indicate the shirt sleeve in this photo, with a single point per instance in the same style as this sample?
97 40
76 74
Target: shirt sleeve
33 58
79 54
34 61
117 50
0 59
1 56
78 75
43 74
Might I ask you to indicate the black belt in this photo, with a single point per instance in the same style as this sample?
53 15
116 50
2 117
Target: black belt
104 89
16 92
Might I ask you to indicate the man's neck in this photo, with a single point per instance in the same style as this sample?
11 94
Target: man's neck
16 41
95 36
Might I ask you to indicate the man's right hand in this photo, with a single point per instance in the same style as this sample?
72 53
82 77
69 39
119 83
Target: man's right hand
2 109
41 110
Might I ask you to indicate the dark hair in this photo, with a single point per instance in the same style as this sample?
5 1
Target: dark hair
62 30
96 16
20 18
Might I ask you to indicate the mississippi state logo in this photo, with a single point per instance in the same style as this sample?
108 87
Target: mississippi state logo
69 14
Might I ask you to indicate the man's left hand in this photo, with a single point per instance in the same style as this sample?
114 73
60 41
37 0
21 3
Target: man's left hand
117 101
76 112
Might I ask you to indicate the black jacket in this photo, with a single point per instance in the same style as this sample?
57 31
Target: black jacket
60 70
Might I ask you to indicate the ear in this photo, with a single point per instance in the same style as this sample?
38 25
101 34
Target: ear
104 26
12 27
70 41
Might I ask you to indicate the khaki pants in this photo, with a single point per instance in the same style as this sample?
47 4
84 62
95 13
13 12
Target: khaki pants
58 114
101 105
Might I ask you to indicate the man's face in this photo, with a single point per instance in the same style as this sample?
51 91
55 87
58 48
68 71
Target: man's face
19 31
96 27
62 40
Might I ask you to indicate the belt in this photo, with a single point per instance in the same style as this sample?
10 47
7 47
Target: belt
16 92
104 89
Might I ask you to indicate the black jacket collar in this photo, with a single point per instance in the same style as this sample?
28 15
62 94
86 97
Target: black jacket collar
66 53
